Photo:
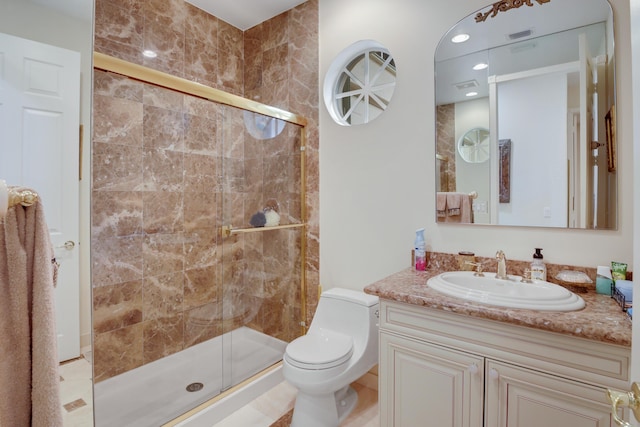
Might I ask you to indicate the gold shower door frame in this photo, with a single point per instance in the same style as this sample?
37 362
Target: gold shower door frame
148 75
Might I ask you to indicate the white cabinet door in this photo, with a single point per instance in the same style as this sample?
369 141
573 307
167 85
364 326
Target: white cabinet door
427 385
519 397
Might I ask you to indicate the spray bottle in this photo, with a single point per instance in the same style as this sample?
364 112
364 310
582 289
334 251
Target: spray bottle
420 251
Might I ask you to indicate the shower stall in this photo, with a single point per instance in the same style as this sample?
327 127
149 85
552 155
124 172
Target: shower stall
198 242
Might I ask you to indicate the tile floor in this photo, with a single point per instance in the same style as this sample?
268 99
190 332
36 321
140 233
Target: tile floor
271 409
76 393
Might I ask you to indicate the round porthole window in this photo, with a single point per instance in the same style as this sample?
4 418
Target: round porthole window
359 83
474 146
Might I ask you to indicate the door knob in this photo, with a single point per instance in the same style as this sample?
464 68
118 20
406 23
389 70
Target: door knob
68 245
630 399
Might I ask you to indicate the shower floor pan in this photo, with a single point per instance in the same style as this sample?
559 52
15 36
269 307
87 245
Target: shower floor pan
155 393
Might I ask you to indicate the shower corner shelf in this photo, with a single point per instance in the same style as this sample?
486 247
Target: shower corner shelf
228 230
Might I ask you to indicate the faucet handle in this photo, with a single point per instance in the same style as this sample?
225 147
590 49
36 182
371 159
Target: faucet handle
479 268
526 276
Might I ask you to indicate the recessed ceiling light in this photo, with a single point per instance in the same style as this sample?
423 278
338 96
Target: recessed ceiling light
470 94
149 53
460 38
480 66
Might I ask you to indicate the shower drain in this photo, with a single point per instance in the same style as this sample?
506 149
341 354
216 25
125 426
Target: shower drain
195 387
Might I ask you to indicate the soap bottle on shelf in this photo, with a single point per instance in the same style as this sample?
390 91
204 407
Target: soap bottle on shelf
538 269
420 251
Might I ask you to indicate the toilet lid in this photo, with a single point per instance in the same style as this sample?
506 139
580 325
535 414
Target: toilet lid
320 350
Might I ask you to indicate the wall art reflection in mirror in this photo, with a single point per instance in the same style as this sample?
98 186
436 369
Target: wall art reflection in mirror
548 88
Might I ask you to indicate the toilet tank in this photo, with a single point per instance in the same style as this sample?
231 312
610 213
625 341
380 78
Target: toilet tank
347 311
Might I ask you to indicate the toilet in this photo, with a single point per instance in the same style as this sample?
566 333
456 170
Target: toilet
340 346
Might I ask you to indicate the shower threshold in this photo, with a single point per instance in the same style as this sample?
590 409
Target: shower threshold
155 393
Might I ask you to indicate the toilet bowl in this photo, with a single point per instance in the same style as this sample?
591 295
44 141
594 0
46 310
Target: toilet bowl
340 346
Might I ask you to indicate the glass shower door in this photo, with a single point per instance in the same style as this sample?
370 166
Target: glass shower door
261 269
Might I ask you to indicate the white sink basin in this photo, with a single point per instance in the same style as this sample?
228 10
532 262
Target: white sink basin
510 292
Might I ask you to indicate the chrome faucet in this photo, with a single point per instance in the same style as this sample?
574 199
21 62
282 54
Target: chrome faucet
502 265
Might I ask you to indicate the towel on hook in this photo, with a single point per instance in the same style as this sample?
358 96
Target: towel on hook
454 207
441 204
454 203
28 354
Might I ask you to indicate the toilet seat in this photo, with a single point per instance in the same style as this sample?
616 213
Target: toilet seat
322 349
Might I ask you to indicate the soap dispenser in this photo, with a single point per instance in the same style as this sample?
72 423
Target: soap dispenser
538 269
420 251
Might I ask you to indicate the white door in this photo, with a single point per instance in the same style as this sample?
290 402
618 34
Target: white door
585 170
39 134
635 73
635 53
573 148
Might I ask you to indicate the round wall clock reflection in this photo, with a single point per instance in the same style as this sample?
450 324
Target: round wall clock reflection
474 146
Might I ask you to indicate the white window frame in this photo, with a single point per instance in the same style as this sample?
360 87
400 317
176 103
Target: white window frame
367 93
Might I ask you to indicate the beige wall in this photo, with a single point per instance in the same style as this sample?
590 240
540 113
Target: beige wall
377 181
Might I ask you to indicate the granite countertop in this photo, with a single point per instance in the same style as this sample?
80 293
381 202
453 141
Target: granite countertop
602 319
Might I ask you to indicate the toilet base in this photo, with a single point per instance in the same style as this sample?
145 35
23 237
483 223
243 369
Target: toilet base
327 410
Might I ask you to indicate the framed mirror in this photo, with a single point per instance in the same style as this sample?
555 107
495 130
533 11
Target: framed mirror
540 74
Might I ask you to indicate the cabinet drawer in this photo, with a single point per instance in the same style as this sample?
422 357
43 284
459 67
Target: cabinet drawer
559 354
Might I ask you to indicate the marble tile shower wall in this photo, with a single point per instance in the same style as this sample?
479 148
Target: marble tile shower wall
281 69
165 164
446 134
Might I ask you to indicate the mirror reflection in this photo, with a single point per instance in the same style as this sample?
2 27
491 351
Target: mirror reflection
474 146
540 80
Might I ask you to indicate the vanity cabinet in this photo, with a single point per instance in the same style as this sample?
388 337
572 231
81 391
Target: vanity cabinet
426 384
443 369
520 397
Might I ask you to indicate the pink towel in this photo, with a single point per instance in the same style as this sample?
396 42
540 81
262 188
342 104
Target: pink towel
466 209
454 202
457 207
28 350
441 205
